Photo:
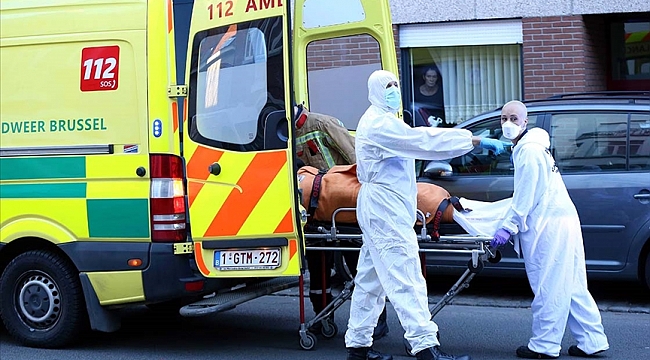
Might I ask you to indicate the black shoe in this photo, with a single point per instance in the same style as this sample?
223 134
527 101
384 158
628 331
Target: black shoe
434 353
358 353
526 353
381 329
574 350
376 355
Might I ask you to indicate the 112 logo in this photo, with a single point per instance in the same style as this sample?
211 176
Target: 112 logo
100 68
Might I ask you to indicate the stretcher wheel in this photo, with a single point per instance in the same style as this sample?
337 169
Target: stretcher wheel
329 329
477 269
308 342
496 258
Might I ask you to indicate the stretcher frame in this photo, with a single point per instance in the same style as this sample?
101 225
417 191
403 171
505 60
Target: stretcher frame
475 246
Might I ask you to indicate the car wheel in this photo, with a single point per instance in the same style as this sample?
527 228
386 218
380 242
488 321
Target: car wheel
41 300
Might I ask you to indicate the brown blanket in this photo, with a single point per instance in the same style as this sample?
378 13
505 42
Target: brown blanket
339 188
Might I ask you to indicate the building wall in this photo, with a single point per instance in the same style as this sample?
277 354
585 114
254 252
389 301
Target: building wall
424 11
563 54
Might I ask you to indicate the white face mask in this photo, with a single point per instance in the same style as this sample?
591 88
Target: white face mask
511 130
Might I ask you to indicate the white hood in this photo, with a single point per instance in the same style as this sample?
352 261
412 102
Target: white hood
377 88
535 136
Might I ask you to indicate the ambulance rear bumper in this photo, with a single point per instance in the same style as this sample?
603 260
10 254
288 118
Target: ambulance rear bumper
164 275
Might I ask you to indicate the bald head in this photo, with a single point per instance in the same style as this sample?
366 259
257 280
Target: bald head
514 111
515 106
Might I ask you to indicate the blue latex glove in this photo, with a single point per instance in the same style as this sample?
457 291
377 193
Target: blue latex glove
492 144
500 238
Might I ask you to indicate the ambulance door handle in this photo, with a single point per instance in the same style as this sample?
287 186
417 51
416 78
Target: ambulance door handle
141 171
214 169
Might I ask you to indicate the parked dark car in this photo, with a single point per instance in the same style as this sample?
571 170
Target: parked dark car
601 144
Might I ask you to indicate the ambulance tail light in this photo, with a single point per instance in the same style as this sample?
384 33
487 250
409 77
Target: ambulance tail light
167 199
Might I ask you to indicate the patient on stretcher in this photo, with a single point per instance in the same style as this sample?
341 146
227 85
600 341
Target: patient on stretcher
338 188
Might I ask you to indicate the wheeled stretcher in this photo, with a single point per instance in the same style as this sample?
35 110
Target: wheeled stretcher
328 237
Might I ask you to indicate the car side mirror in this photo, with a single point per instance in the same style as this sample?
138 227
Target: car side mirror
438 169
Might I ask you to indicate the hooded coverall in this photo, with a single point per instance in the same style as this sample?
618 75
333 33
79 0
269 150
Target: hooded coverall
386 208
547 222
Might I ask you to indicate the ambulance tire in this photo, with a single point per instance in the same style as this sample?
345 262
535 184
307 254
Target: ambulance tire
55 314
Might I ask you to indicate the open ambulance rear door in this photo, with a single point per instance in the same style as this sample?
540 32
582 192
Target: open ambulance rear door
337 45
240 177
237 140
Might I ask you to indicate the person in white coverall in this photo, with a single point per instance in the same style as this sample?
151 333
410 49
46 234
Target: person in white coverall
389 265
549 234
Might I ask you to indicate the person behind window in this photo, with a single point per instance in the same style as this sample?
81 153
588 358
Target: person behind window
544 217
428 98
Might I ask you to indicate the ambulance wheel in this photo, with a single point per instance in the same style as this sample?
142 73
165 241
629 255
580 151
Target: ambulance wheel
41 300
329 329
308 342
473 269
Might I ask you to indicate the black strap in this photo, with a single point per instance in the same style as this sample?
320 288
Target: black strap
455 201
437 218
315 193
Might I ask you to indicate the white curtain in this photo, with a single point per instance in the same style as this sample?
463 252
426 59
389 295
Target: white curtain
477 79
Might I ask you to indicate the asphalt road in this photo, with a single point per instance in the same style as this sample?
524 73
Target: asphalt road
495 321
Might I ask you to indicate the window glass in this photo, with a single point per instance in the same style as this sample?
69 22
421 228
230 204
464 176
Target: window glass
640 142
589 142
237 81
337 76
454 83
483 162
630 42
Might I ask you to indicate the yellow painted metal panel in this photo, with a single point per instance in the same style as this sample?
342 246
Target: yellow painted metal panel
210 14
160 105
116 166
45 218
69 214
117 287
71 16
85 117
376 23
268 213
118 189
216 190
114 177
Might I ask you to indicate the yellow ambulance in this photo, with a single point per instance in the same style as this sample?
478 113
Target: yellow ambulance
146 155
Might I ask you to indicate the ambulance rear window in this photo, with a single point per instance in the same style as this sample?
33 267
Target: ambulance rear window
236 81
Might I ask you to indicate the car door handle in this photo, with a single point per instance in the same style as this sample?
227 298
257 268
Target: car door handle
214 169
642 196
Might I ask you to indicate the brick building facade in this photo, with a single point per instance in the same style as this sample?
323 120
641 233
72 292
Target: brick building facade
487 53
563 54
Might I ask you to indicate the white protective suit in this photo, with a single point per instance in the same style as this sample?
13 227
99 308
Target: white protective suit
547 222
388 261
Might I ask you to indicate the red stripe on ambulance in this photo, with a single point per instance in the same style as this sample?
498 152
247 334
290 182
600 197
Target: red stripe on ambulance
254 182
